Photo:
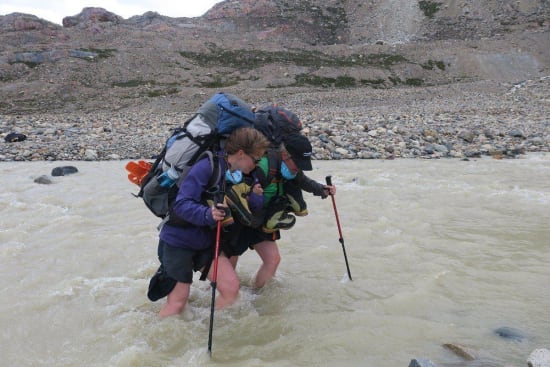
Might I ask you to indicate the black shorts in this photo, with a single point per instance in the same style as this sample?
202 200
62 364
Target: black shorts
240 238
180 263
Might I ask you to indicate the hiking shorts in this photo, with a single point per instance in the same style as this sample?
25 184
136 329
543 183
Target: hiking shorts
256 235
245 239
180 263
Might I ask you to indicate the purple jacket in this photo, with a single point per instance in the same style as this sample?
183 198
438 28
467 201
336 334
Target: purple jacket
255 201
190 206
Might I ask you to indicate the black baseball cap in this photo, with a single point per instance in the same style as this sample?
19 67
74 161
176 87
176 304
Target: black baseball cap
300 150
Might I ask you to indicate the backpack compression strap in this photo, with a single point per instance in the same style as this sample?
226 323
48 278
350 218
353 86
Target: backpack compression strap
217 173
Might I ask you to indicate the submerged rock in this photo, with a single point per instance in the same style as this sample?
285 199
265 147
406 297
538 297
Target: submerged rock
421 362
460 351
65 170
507 332
44 180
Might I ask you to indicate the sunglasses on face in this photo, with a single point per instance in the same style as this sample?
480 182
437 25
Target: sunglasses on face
255 160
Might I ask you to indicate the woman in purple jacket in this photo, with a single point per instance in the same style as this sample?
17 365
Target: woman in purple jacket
187 239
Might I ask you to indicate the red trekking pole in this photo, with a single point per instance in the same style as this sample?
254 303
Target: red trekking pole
329 183
217 200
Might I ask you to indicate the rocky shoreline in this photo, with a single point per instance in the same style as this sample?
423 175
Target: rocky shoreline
461 120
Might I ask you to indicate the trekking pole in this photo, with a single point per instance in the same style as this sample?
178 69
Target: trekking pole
329 183
217 200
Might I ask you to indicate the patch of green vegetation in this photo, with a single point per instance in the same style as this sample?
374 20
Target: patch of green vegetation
430 64
161 92
344 82
133 83
440 65
376 83
306 79
251 59
219 82
30 64
429 7
349 82
414 82
395 80
244 59
325 82
6 79
385 60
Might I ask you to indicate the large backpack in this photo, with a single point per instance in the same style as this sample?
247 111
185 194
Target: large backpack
275 123
202 135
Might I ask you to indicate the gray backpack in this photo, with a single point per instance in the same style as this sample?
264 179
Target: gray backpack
202 135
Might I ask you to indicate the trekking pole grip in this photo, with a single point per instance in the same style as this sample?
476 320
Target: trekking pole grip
218 198
329 180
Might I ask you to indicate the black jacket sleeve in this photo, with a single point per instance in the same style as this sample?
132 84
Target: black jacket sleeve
307 184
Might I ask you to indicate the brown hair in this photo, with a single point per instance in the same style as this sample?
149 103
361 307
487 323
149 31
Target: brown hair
251 141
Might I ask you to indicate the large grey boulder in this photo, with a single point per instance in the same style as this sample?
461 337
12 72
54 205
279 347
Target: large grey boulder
539 358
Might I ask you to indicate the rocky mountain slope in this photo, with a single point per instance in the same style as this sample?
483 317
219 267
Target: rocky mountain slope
266 48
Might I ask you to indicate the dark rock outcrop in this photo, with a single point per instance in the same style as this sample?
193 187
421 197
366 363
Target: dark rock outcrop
91 15
19 22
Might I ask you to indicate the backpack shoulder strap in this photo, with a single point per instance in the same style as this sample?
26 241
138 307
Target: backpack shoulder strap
273 164
216 173
261 176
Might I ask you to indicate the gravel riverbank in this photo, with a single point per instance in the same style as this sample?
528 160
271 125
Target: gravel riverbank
462 120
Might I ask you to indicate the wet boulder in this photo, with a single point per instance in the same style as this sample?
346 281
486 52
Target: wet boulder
539 358
507 332
63 171
44 180
460 351
15 137
421 362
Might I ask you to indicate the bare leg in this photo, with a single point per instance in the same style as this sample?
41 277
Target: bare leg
269 253
227 283
233 260
176 300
